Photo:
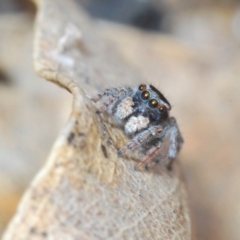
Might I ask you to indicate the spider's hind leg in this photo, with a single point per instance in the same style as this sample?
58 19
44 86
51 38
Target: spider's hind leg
107 92
113 94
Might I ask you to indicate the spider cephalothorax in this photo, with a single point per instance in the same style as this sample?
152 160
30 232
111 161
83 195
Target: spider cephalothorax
143 113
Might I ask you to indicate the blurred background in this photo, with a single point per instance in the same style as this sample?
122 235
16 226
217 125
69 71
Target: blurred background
191 46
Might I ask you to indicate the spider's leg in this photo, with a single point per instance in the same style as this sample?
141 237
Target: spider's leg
105 105
176 141
170 163
114 95
114 92
150 154
100 95
140 139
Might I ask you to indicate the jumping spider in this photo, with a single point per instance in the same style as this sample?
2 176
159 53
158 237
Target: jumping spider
143 114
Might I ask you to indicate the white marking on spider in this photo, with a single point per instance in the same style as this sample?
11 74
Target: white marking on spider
136 123
125 108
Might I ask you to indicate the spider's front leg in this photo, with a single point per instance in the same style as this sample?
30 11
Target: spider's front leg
176 141
175 144
113 94
141 138
150 155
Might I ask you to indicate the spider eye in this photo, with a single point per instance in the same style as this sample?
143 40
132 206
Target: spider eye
145 95
153 103
162 108
142 87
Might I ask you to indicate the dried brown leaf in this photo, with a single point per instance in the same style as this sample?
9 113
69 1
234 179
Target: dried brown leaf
85 191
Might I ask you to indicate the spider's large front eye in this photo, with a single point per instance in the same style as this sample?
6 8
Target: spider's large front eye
153 103
145 95
142 87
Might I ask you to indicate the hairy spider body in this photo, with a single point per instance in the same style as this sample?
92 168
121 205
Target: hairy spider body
143 114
